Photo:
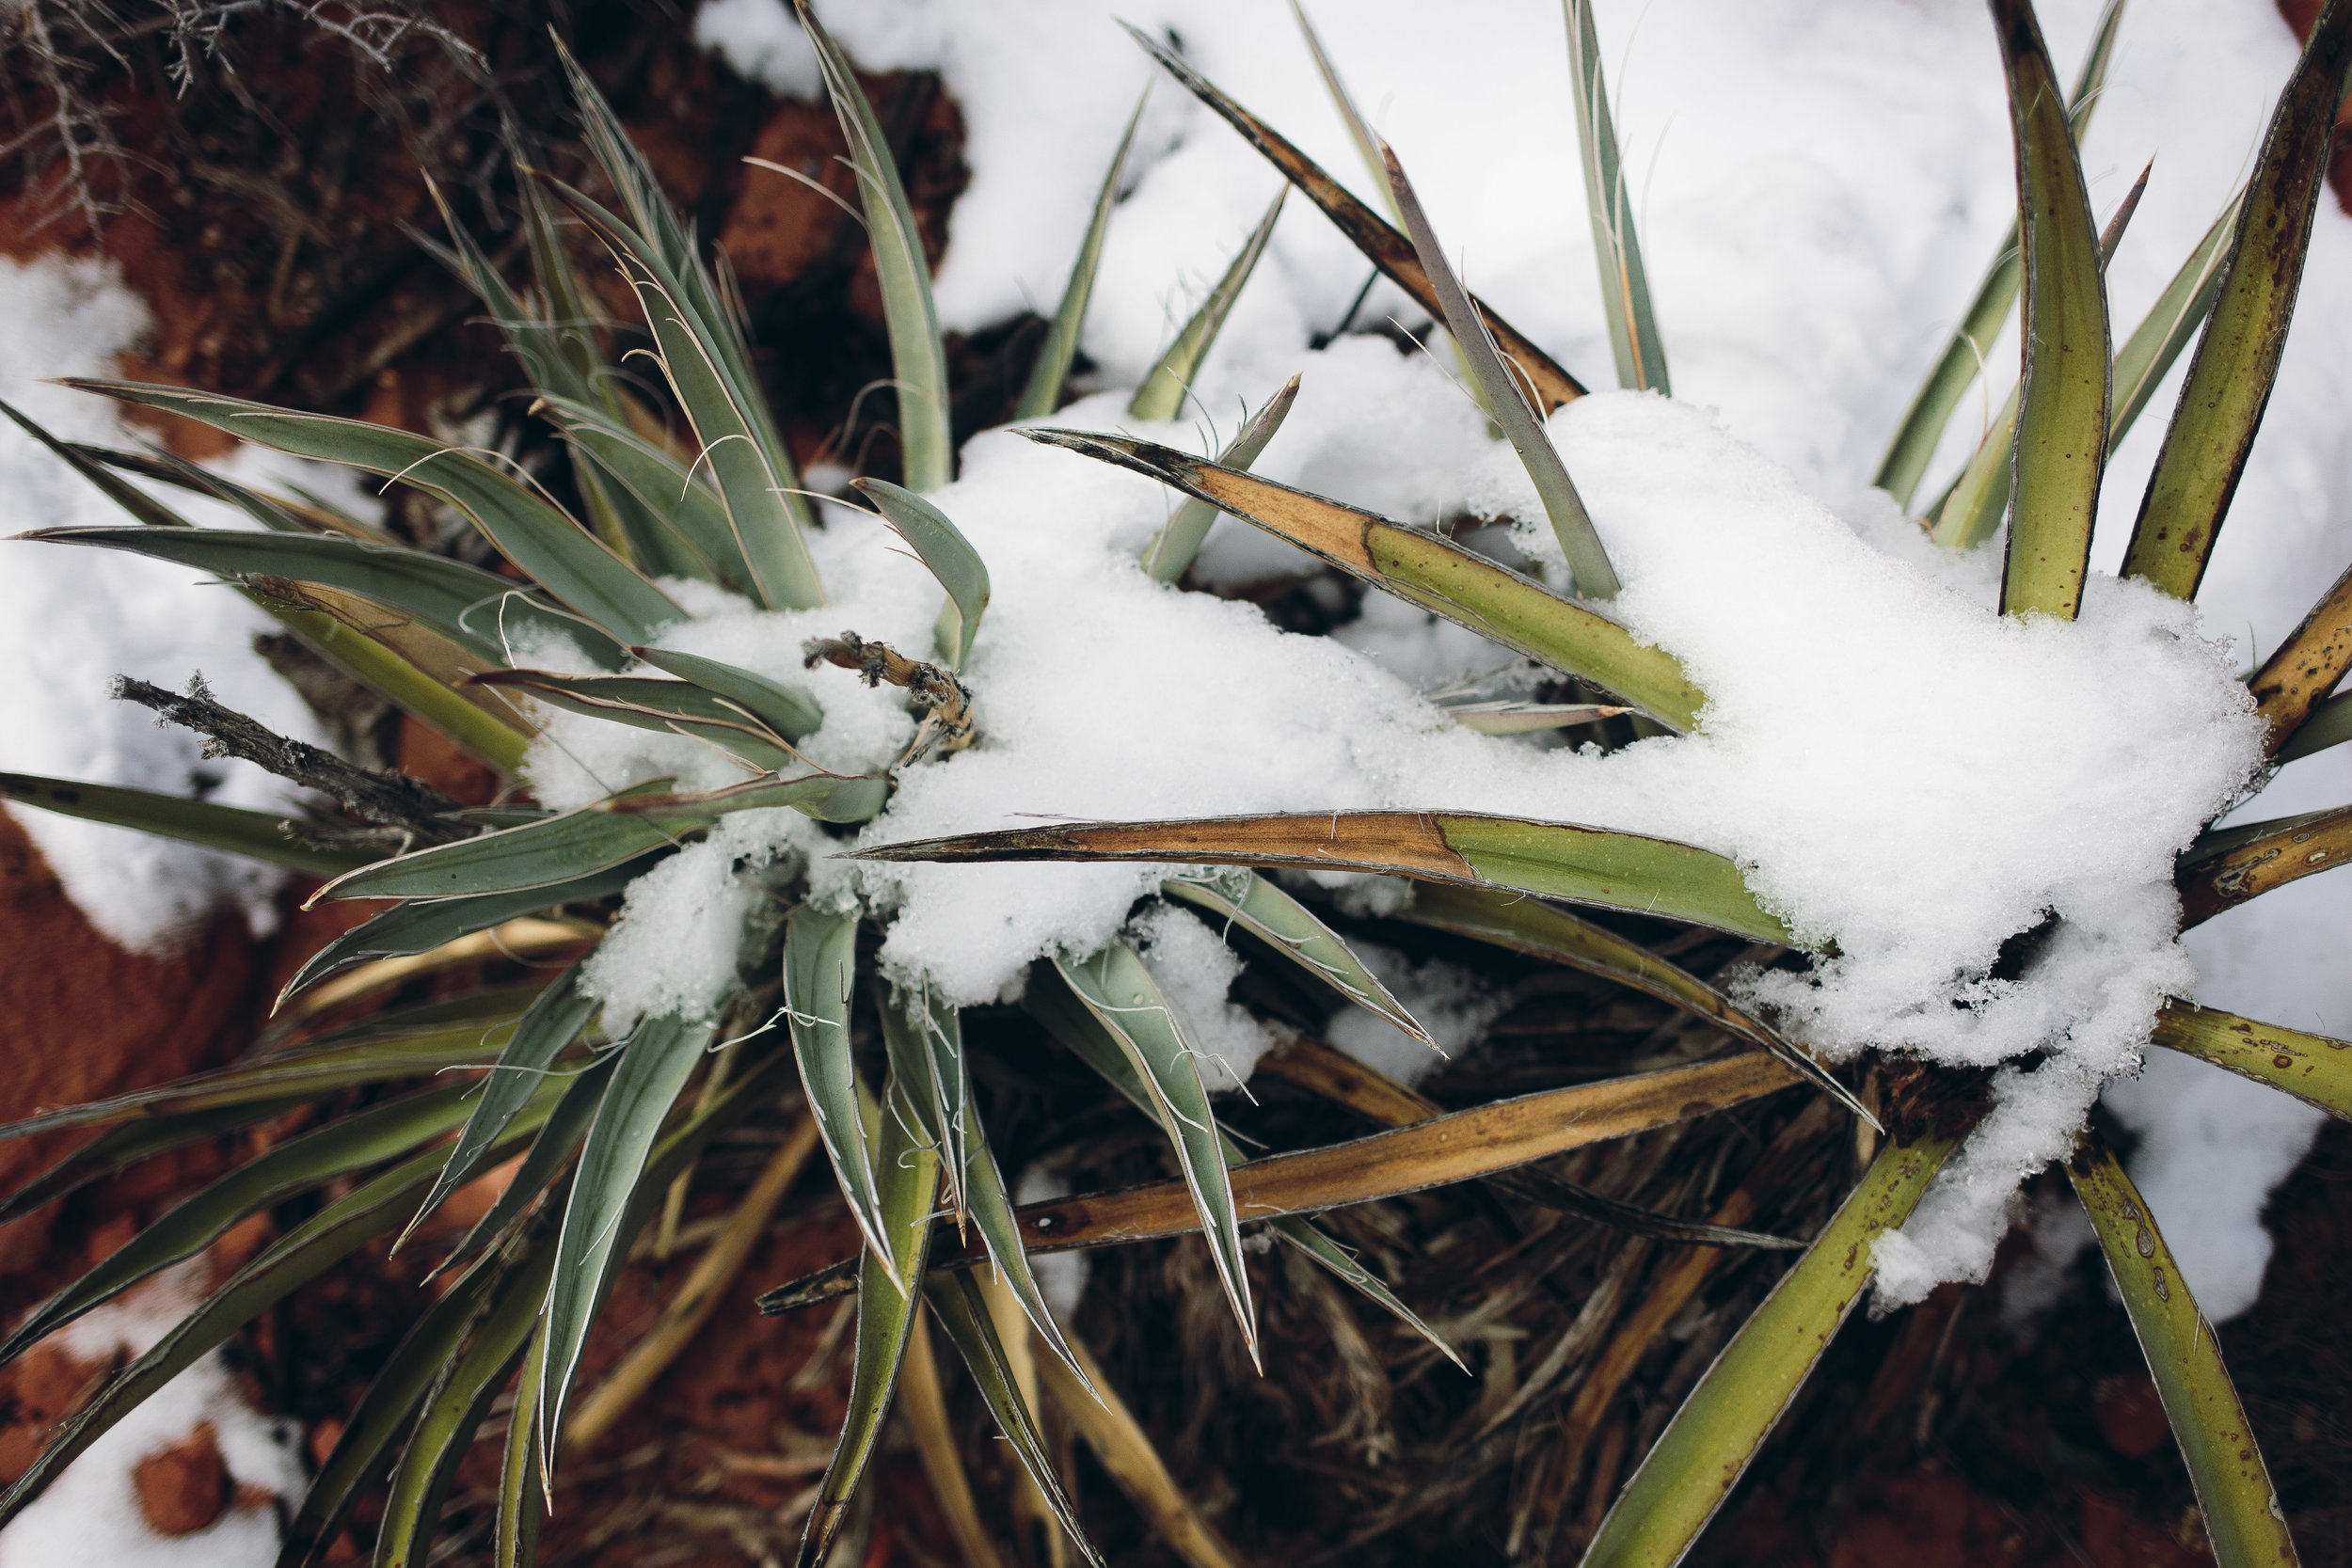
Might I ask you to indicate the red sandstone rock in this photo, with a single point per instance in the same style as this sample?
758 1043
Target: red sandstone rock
185 1487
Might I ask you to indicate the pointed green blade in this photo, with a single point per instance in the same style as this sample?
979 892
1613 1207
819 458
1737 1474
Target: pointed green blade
918 363
1705 1447
1282 923
1169 383
2234 1495
1633 337
951 556
1171 552
2062 406
787 712
594 1241
1913 446
2236 362
1120 993
256 835
2312 1067
1042 395
1421 568
885 1307
1300 1232
819 968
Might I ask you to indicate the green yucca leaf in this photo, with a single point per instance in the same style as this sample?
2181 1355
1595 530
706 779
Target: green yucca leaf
781 708
2301 670
479 610
756 483
565 848
420 926
554 358
1422 569
551 1152
2246 863
1507 399
1552 860
2331 724
295 1259
924 1041
949 554
1053 1004
1710 1440
1971 508
1042 394
1527 925
664 707
543 1034
2312 1067
385 1408
1913 446
1461 1147
556 553
445 1429
405 1044
886 1307
819 968
514 1533
120 1148
918 362
1169 383
1171 552
347 1144
383 669
256 835
687 527
275 512
955 1302
1633 339
655 1063
1116 988
1359 130
1381 245
2236 362
2062 407
138 502
2234 1497
1292 930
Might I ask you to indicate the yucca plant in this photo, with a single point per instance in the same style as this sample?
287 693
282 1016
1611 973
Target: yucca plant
598 1096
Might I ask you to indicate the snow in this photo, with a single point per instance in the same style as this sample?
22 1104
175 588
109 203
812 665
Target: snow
72 620
91 1512
1454 1003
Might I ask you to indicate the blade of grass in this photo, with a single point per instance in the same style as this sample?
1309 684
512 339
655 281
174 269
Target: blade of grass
956 1301
1042 395
1171 552
1292 931
1539 930
1169 383
1509 400
2312 1067
1715 1433
256 835
2236 362
1913 446
820 967
886 1308
554 551
2234 1495
918 362
1118 990
614 1159
1633 339
2064 393
2303 669
948 555
1422 569
1381 245
1587 866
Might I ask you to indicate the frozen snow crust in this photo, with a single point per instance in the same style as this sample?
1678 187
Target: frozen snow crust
1907 777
